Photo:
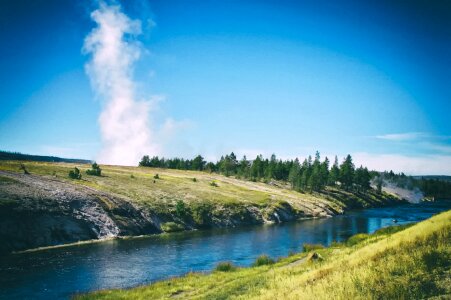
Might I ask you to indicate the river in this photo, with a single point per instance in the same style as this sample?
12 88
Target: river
61 272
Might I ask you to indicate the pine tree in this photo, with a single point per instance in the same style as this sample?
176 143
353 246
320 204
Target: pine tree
324 173
334 173
293 176
347 170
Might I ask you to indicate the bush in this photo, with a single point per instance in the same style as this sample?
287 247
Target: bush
180 209
214 184
171 227
309 247
156 176
225 267
194 180
263 260
132 176
95 170
75 173
24 169
357 238
201 213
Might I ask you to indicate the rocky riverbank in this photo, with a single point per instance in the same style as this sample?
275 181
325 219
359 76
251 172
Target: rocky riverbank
38 211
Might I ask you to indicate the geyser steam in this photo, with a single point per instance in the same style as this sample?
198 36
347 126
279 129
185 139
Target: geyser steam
124 121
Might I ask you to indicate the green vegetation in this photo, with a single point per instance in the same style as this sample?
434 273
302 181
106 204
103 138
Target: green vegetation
75 173
225 267
7 155
432 186
310 176
197 204
263 260
310 247
172 227
95 170
398 263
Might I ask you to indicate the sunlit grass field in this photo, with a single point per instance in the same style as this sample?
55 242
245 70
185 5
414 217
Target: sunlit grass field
394 263
138 184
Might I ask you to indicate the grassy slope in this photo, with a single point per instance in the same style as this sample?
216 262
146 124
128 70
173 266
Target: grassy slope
179 185
411 264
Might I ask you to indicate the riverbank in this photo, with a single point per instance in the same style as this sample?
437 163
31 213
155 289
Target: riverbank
410 262
46 208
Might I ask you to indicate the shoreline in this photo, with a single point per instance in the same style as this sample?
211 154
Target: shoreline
145 236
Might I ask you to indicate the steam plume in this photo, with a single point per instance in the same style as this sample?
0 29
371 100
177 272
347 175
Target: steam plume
124 121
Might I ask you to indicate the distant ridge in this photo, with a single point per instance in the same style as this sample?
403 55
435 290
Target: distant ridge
436 177
6 155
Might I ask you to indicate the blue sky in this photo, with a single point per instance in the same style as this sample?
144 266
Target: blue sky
370 79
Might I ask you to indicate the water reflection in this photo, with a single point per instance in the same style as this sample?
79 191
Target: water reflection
59 273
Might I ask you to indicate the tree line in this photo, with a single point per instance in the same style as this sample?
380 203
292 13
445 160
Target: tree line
313 174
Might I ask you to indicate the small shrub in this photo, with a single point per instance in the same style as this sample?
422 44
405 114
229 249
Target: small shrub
357 238
171 227
194 179
75 173
225 267
24 169
132 176
263 260
156 176
95 170
309 247
201 213
180 209
214 184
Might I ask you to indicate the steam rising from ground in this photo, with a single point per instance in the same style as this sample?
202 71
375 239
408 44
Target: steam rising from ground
124 121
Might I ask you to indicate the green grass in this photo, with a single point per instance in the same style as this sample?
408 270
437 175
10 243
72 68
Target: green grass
403 262
138 185
263 260
225 267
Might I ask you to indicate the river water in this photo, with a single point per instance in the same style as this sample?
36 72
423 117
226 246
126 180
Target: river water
60 273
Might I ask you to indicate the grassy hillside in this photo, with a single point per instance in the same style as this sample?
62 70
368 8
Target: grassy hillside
138 185
46 207
394 263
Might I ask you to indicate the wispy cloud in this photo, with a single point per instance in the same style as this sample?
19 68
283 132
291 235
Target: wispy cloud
124 121
408 136
421 141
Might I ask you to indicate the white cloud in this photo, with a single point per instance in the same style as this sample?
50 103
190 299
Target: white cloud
124 121
408 136
411 165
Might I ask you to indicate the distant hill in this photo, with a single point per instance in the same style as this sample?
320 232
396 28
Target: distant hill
6 155
437 177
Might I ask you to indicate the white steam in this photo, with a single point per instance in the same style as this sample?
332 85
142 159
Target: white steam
124 121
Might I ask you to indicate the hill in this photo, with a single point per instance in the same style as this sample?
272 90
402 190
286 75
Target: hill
46 207
6 155
434 177
394 263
